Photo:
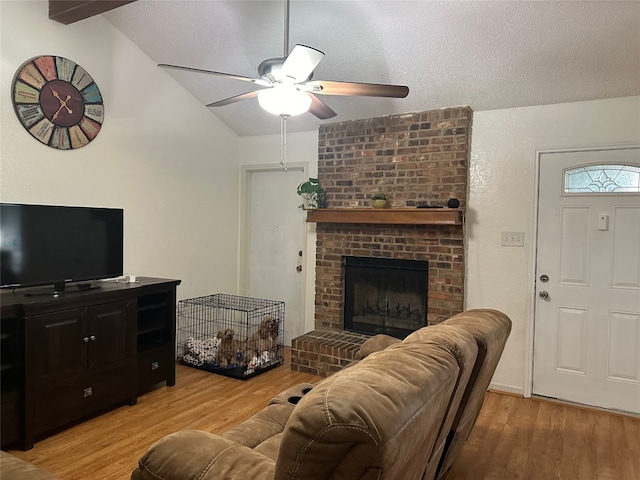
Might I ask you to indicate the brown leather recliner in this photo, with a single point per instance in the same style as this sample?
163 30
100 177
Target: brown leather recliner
490 329
389 416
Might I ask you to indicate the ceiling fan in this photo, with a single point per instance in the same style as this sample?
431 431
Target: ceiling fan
288 89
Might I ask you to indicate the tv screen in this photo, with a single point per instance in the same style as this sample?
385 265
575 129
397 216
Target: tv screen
48 244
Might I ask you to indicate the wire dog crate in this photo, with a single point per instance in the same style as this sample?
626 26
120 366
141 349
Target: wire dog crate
235 336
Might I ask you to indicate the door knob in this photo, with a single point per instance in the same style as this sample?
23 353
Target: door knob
544 295
299 268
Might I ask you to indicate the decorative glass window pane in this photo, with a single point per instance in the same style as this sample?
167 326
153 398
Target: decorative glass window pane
602 179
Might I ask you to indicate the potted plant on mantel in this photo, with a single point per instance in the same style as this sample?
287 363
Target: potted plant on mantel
379 200
313 195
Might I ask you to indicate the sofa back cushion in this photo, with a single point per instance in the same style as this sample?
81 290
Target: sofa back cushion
464 348
490 329
376 420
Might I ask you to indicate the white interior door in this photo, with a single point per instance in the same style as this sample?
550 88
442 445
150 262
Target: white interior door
587 314
275 238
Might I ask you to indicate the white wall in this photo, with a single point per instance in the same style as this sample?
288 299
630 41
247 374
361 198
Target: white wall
502 198
174 168
161 155
301 148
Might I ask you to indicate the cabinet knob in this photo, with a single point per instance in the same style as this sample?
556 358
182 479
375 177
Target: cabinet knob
85 339
92 338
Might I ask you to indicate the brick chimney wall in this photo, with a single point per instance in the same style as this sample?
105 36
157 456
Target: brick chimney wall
414 158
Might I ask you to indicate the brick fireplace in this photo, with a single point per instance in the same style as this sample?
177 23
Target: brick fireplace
415 159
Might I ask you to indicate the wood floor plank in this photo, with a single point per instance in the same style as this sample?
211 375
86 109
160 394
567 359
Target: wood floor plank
514 438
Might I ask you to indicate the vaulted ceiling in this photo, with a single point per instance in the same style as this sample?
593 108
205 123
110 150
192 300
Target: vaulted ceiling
485 54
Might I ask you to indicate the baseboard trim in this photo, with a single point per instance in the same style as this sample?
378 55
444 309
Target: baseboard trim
500 387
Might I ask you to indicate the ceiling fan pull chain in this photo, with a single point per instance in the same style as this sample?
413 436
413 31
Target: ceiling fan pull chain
283 142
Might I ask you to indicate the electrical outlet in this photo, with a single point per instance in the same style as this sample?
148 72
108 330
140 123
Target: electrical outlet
512 239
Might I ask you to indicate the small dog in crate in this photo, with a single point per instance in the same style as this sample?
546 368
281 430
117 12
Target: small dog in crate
226 351
265 338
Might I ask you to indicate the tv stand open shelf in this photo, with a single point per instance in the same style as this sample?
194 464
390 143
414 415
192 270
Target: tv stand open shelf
69 357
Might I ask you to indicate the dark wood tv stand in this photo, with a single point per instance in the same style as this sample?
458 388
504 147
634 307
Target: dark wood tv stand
72 356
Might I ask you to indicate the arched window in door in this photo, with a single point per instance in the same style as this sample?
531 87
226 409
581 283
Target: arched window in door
602 178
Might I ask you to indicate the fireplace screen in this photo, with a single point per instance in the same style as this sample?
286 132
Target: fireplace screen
384 295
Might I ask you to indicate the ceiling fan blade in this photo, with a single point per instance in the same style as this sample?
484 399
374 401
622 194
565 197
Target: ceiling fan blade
320 109
300 63
358 89
234 99
257 81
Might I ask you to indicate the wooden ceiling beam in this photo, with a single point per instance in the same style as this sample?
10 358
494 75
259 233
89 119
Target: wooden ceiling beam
70 11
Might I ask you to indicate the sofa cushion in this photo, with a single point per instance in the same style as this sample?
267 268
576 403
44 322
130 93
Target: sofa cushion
378 419
463 347
13 468
198 455
269 422
490 329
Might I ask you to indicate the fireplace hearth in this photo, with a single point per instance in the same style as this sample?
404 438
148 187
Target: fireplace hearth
384 295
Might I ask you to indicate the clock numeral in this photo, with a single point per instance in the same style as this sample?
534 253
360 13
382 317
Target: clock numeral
65 68
46 67
91 94
60 138
81 78
90 127
24 93
32 76
94 112
30 114
42 130
78 138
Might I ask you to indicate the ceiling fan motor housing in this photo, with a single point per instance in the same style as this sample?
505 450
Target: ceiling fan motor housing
269 69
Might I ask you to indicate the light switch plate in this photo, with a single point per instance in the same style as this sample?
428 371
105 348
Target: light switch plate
512 239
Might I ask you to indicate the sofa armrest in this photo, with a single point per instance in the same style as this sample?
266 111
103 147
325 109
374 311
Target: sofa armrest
198 455
292 395
375 344
13 468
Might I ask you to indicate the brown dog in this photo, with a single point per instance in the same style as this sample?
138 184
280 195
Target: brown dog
265 338
226 352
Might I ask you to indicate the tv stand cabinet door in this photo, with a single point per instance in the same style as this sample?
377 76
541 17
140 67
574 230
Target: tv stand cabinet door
54 347
111 329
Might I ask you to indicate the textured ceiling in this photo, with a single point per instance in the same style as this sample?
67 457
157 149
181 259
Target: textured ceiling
488 55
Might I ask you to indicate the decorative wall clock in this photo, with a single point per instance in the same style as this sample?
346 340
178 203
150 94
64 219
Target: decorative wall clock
57 102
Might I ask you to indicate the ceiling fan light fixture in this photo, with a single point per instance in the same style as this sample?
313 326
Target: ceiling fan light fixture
284 100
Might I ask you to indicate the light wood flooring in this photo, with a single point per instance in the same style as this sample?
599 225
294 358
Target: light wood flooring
514 438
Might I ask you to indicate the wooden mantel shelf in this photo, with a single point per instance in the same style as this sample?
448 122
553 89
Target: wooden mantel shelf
387 216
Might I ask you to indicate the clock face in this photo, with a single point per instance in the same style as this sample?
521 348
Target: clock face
57 102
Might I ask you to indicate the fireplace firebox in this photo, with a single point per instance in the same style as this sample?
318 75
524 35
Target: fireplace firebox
383 295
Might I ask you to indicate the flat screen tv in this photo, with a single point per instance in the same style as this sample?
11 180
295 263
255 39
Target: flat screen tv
55 245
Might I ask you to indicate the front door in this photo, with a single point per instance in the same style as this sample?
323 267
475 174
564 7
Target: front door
587 312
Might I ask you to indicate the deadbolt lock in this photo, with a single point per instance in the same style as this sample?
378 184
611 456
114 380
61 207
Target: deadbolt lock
544 278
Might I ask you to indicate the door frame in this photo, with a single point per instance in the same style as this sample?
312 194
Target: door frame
531 284
245 224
